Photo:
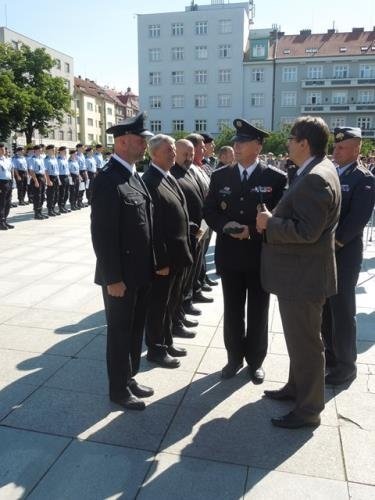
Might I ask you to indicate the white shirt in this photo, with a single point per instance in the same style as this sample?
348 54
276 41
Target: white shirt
249 170
304 165
127 165
341 170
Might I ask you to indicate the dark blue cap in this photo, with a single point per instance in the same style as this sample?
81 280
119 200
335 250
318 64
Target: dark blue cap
342 133
135 125
247 132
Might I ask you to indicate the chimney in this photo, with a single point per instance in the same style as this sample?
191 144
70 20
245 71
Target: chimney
358 30
331 31
305 32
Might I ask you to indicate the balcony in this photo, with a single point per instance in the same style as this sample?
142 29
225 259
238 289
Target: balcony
369 133
361 107
337 82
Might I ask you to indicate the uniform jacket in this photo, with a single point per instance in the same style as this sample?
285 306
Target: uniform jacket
298 259
121 227
229 200
170 222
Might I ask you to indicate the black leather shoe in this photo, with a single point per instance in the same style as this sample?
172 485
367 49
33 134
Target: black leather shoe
177 352
190 323
45 216
9 226
206 288
183 333
257 376
279 394
338 377
128 401
211 282
3 226
38 217
51 213
293 421
231 369
56 212
163 359
199 297
190 309
141 391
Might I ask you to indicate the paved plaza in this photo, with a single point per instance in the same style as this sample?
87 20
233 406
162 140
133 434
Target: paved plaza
199 437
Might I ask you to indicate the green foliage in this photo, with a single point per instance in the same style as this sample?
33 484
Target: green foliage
276 143
225 137
179 135
368 147
30 97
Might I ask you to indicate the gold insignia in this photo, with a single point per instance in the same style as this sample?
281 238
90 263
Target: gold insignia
223 205
340 136
238 123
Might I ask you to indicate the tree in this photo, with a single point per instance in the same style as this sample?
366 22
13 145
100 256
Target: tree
225 137
30 97
276 143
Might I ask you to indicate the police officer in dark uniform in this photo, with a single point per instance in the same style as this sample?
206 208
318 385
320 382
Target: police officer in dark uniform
236 192
358 195
53 182
20 173
64 173
121 229
38 183
6 181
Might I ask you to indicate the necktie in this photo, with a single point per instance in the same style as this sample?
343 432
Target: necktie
244 177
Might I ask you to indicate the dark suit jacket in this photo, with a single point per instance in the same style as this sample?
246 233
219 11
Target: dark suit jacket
228 200
298 259
171 221
121 227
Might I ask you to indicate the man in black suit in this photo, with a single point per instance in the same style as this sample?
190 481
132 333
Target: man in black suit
121 229
358 194
230 210
172 252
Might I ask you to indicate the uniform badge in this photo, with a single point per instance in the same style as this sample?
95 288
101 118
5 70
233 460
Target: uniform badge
223 205
340 136
238 123
345 187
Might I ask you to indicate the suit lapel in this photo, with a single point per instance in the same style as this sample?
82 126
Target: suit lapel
256 176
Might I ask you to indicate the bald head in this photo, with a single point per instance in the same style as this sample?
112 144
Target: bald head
184 153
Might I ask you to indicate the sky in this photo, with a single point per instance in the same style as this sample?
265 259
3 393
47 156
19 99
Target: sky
101 36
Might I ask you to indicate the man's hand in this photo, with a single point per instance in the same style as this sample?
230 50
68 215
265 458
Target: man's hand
163 272
262 220
36 184
116 289
49 183
245 235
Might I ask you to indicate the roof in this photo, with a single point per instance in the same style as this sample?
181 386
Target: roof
89 87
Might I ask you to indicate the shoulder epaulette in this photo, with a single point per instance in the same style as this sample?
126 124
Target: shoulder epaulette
276 169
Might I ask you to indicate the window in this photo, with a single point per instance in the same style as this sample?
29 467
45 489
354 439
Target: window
200 76
289 74
67 67
257 75
259 50
201 27
178 125
70 135
367 71
200 101
154 55
155 101
288 98
338 121
201 52
177 29
257 100
15 44
339 97
314 98
109 139
224 100
178 101
225 26
177 77
257 122
68 119
155 126
154 30
67 83
225 51
177 53
51 134
154 78
90 122
109 124
225 75
364 122
61 135
365 96
340 71
90 106
90 137
314 72
58 63
200 125
223 123
109 111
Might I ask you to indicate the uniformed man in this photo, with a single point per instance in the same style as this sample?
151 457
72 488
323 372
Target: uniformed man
29 159
6 182
230 209
52 176
38 183
98 157
91 171
121 234
209 159
82 173
358 195
19 164
64 173
225 156
75 180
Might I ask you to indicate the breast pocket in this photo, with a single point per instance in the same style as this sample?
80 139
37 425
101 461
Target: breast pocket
135 206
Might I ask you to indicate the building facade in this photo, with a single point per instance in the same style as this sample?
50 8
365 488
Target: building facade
191 66
66 133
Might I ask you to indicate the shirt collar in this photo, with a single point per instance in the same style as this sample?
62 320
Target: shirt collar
249 169
304 165
342 169
127 165
164 174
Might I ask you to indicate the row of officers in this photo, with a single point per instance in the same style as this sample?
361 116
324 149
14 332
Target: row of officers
48 173
150 235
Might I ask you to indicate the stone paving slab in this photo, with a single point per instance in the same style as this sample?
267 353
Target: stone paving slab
361 492
12 395
359 452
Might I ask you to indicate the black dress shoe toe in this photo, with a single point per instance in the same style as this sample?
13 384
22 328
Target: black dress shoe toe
190 323
129 402
9 226
177 352
211 282
257 376
183 333
231 369
279 394
294 421
206 288
190 309
199 297
336 377
141 391
164 360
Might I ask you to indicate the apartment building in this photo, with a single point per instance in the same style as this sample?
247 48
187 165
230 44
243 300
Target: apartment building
191 66
64 134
